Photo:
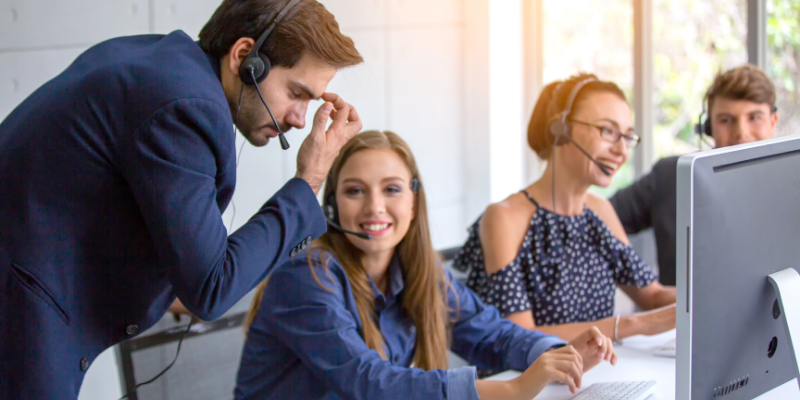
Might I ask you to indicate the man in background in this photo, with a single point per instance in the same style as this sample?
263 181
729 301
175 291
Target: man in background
741 109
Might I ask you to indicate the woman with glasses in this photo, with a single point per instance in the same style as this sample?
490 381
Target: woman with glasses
551 256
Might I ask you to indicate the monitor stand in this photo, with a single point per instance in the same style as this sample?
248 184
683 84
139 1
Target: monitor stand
787 286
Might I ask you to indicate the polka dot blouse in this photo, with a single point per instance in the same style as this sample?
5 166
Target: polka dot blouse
565 271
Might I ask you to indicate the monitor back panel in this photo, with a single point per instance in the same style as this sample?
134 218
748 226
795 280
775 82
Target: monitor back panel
738 221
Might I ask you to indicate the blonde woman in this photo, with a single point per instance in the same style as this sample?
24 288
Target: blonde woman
359 318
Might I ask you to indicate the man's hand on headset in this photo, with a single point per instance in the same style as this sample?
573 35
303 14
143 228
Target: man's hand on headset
321 146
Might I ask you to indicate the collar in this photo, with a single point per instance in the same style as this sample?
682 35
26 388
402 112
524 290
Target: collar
395 283
214 63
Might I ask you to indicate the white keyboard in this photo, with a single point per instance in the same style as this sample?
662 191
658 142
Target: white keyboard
635 390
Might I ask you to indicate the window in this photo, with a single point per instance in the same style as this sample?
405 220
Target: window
783 60
692 41
595 37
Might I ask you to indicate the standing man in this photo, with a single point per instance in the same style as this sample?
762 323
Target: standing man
741 109
115 174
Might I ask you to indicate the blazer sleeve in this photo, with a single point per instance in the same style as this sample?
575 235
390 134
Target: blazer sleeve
172 163
634 204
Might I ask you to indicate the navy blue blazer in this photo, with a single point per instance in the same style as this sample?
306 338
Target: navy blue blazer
113 179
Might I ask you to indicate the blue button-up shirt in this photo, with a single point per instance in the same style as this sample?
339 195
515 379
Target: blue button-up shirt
306 341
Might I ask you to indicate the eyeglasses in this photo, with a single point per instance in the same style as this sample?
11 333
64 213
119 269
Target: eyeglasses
613 135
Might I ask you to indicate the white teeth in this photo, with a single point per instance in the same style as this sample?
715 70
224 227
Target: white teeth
609 164
375 227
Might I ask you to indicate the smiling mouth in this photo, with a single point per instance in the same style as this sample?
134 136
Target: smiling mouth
608 164
375 229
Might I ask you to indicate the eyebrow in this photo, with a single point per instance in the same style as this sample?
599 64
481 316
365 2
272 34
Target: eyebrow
615 123
389 179
305 89
725 114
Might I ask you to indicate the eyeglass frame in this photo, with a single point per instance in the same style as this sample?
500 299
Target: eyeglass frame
618 133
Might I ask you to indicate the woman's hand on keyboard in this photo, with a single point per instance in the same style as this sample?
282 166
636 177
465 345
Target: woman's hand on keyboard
594 347
563 365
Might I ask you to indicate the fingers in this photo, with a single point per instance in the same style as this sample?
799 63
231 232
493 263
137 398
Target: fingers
340 117
338 102
354 119
569 353
571 368
613 357
349 114
321 117
604 353
591 336
565 378
595 335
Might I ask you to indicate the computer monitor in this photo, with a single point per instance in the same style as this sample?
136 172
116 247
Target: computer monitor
738 222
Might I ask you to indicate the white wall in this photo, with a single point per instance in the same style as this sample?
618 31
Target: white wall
413 82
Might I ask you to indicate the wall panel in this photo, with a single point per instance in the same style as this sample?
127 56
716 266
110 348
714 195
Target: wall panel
49 23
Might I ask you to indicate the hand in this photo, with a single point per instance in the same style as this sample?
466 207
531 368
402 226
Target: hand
321 147
563 365
653 322
594 347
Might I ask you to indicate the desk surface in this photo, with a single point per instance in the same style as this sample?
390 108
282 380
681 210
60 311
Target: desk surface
637 363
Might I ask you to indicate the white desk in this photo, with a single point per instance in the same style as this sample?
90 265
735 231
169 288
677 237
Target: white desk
636 362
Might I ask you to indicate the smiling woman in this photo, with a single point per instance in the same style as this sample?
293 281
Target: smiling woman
556 271
359 318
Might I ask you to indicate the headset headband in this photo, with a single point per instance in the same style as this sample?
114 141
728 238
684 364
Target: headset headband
572 95
281 15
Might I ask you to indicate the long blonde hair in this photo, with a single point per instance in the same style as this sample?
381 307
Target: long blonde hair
426 286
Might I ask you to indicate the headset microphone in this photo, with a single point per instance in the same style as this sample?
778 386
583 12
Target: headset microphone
592 159
284 142
362 235
560 128
332 215
256 66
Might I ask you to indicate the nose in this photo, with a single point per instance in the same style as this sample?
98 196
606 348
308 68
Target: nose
375 204
741 132
620 147
296 116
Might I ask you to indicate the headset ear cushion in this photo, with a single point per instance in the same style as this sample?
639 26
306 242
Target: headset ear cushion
330 208
414 185
260 65
558 128
707 126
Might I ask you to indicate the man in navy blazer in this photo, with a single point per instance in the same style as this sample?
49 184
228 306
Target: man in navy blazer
114 176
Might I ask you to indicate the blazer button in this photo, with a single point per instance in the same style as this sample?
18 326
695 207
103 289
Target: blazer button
84 364
132 329
293 252
307 241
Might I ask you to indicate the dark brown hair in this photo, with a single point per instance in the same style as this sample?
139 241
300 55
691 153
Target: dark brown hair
309 27
553 100
747 82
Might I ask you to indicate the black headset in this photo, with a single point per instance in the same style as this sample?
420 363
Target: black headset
703 126
331 210
256 66
257 61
